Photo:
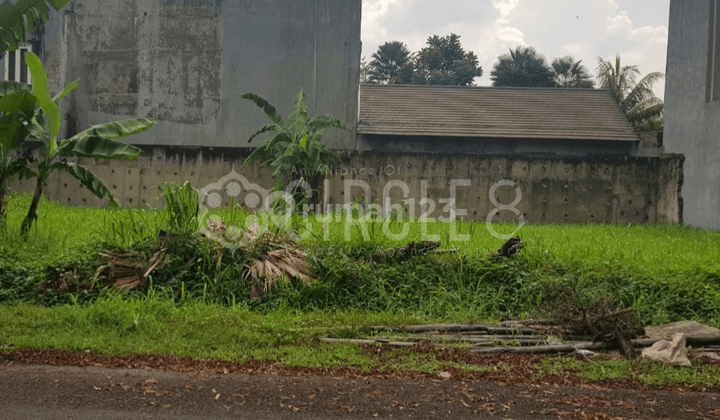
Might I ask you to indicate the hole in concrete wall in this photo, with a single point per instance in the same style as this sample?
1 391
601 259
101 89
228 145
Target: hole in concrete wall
145 14
158 172
592 216
114 186
112 171
565 200
65 185
607 170
176 173
129 171
629 202
143 201
622 213
84 200
131 187
524 168
609 187
130 200
475 213
144 187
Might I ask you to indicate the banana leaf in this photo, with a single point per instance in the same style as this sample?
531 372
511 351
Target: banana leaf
87 179
98 141
270 110
41 91
17 19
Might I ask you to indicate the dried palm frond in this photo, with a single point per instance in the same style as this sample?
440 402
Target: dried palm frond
276 266
124 271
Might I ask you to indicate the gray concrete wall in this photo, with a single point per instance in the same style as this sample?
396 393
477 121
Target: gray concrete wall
186 63
501 146
692 125
619 189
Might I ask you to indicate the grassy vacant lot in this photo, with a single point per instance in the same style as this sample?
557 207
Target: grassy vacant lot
202 309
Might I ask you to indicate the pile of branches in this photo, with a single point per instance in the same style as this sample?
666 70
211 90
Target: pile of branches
571 312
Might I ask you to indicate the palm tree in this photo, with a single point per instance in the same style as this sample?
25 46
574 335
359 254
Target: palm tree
392 63
635 97
523 67
571 74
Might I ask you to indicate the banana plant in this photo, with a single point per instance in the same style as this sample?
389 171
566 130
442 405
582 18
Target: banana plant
16 111
297 145
98 142
18 19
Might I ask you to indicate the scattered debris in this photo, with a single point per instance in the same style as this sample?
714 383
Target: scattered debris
412 249
689 328
514 337
124 271
673 352
511 247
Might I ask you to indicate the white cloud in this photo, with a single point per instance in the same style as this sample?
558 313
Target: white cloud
505 6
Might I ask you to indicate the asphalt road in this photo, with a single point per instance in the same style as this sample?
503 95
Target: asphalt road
35 391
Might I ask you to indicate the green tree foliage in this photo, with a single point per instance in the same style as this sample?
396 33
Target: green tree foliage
635 97
17 109
523 67
296 147
18 19
445 62
569 73
364 71
391 63
43 125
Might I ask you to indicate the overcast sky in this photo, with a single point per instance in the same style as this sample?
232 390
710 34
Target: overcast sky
585 29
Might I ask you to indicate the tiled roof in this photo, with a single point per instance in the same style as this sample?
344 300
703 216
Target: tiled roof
454 111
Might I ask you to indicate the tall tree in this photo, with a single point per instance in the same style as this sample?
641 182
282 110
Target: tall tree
635 97
364 71
569 73
445 62
392 63
523 67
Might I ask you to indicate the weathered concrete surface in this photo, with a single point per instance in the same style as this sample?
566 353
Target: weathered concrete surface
692 119
496 146
186 63
541 190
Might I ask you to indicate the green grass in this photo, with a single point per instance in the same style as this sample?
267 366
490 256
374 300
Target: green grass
641 371
203 310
